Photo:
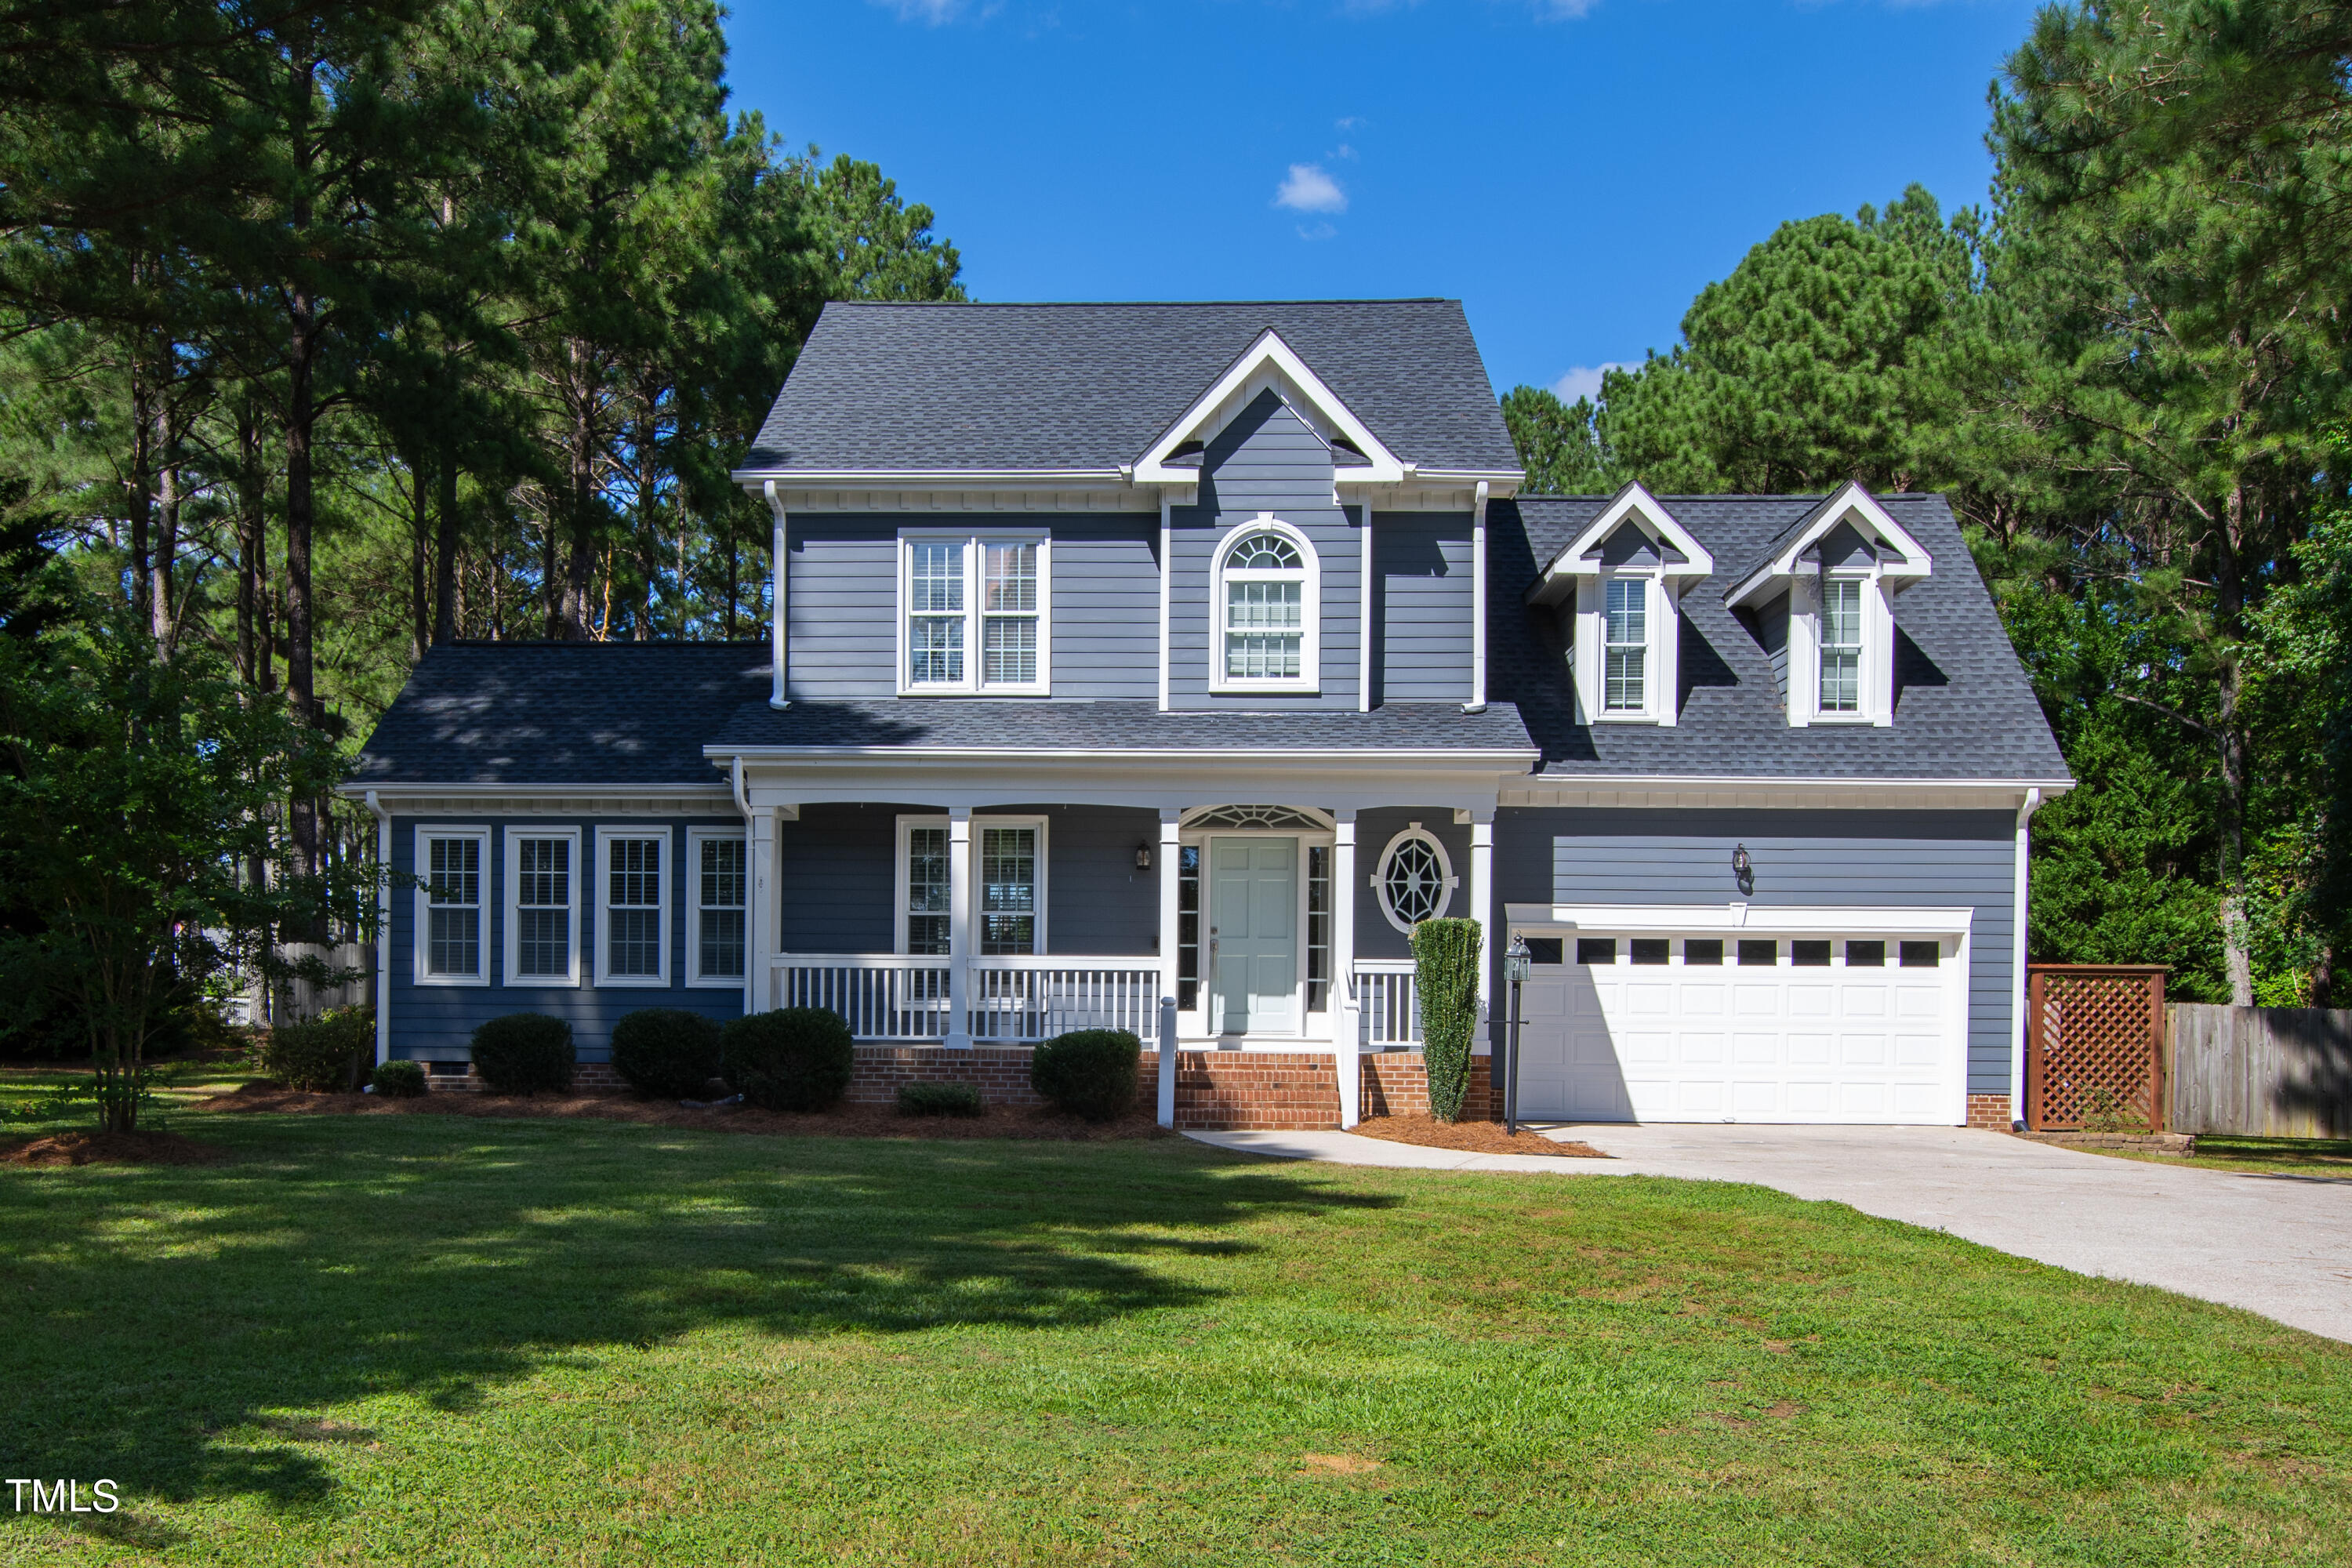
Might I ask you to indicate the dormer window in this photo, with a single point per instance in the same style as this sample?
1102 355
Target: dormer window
1267 595
1841 645
1821 599
1629 644
975 614
1621 581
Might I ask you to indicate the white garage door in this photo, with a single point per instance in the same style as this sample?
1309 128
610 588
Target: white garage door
1643 1026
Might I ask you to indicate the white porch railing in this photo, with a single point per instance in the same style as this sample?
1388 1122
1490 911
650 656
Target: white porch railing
883 997
889 997
1385 998
1038 998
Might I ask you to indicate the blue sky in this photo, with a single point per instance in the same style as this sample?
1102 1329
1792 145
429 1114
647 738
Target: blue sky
1572 170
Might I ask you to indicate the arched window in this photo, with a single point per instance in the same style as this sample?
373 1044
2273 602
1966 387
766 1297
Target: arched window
1267 595
1416 879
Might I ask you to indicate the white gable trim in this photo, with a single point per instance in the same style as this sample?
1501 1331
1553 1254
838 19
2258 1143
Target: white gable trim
1849 501
1559 578
1267 363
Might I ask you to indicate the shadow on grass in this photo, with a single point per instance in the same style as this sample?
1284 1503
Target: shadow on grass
181 1330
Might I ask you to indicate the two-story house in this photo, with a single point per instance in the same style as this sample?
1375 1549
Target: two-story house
1199 652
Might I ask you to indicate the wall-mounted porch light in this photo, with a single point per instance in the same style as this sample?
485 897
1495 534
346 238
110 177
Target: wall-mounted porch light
1743 869
1143 857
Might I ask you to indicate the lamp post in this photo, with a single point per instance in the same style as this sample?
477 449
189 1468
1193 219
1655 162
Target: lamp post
1517 962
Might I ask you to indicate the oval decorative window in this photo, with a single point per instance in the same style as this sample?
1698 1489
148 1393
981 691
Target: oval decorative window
1416 879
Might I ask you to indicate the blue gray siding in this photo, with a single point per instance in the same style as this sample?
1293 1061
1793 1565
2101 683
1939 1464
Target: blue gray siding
1422 572
1803 859
1266 460
437 1021
1103 581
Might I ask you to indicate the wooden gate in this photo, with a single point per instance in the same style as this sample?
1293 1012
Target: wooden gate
2095 1045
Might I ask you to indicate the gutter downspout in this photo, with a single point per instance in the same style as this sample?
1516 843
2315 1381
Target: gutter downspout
1477 703
779 592
2018 991
750 886
382 928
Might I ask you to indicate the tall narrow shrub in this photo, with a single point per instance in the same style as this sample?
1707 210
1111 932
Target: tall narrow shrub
1445 979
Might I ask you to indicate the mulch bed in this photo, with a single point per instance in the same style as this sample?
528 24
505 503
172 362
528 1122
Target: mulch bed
842 1121
1477 1137
112 1149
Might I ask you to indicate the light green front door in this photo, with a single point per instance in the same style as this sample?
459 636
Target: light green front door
1254 916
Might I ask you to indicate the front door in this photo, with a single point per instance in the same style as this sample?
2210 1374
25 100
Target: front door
1253 936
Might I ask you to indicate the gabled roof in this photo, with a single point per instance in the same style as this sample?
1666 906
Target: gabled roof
1963 710
1269 362
1779 559
1581 556
1087 389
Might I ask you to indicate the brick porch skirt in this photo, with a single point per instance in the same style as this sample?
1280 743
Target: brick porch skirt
1990 1110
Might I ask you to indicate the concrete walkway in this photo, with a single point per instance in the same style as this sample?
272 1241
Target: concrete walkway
2279 1246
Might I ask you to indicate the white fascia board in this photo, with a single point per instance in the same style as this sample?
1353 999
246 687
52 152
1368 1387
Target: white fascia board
715 791
1850 499
1739 916
1268 351
1569 563
1713 791
922 756
754 481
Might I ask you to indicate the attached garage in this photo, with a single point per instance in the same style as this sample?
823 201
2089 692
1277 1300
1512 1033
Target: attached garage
1854 1015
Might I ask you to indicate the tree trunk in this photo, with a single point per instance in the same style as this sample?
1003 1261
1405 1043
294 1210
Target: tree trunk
251 543
444 559
420 531
303 817
142 494
165 622
2230 808
580 582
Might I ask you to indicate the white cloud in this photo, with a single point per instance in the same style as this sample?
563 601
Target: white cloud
931 13
1310 190
1343 151
1349 122
1316 231
1585 379
1564 10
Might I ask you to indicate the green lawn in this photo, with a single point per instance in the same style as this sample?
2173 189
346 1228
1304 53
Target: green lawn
419 1340
2325 1157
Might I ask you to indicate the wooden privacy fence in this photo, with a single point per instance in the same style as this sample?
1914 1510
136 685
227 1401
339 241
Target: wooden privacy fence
2275 1072
2093 1045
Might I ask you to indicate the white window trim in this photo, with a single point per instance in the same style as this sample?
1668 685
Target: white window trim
1661 666
975 567
1311 617
690 898
512 859
900 877
1414 832
608 833
483 907
1876 675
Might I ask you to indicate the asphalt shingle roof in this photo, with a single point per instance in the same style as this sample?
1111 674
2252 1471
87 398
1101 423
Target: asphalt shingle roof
1963 707
1026 724
553 713
959 387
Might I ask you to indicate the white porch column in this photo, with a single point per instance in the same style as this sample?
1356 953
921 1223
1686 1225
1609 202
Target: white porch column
2017 961
764 904
958 926
1171 927
1347 1014
1481 908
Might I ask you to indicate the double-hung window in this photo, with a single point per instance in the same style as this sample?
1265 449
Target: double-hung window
1626 646
1266 597
634 951
1841 645
543 914
450 904
718 867
1005 888
976 614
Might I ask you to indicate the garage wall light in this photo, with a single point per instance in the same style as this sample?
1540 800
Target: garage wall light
1743 869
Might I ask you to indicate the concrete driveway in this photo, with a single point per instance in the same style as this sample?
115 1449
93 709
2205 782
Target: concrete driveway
2279 1246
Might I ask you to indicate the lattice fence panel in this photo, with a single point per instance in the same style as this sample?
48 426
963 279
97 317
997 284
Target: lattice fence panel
2096 1042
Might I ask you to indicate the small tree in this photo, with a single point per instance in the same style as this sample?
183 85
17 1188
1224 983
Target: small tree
1445 979
134 791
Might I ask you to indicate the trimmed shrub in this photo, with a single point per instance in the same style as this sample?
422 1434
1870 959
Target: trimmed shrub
940 1099
665 1053
328 1052
1445 979
794 1059
523 1053
400 1080
1088 1072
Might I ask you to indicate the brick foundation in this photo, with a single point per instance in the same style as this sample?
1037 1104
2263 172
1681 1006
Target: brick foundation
1396 1083
1002 1073
1989 1111
596 1077
1257 1091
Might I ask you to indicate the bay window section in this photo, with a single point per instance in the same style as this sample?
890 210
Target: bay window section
543 914
633 948
449 907
721 886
